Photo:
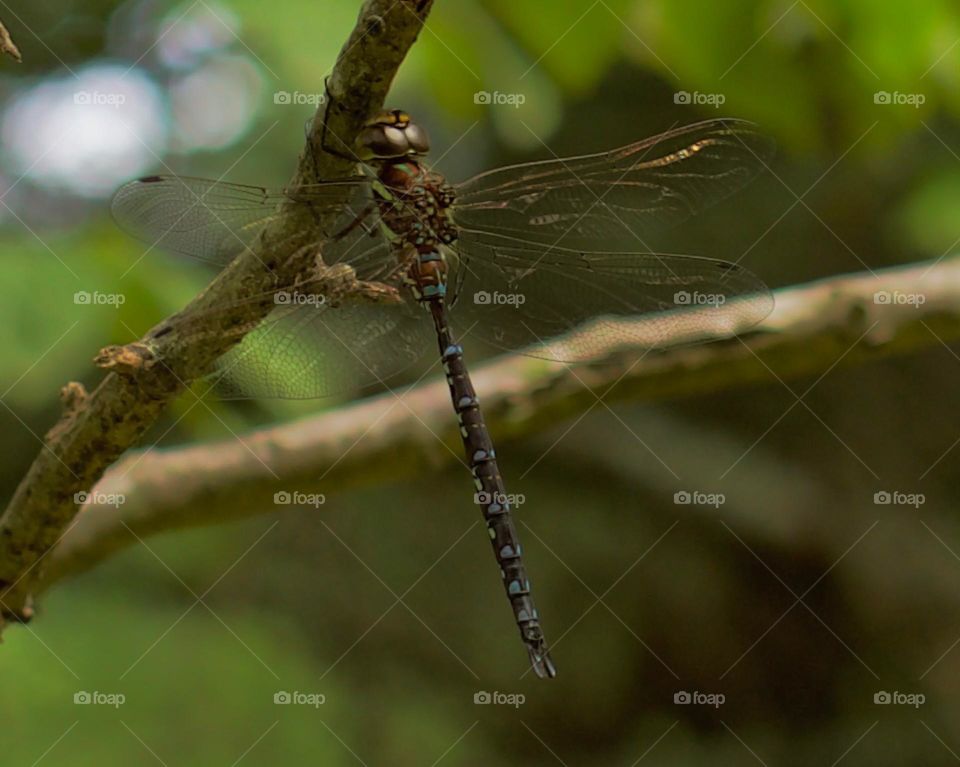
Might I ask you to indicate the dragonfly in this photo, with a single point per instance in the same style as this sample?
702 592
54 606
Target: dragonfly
548 258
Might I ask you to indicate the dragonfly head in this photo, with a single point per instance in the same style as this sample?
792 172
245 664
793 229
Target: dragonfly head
392 134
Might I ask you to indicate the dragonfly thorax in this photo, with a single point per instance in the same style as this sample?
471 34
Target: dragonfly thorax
414 205
414 209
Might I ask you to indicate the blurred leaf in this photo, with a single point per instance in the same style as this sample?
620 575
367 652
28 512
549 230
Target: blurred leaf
927 221
487 76
215 675
575 42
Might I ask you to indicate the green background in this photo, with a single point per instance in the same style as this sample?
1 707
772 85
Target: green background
689 598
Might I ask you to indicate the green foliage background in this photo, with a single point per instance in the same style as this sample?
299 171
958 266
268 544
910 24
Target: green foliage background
302 600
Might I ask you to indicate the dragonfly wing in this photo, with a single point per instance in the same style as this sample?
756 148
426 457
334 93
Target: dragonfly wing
215 220
308 351
299 351
512 295
615 199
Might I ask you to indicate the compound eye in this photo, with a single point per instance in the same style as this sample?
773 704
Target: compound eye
384 141
417 138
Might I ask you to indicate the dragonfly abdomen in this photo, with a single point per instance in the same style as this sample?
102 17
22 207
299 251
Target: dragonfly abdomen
427 276
491 494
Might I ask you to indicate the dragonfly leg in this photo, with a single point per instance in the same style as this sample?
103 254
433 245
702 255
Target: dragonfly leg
359 221
338 283
329 101
308 259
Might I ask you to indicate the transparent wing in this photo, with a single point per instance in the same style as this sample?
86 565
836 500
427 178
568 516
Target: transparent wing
214 220
614 199
298 351
512 295
306 351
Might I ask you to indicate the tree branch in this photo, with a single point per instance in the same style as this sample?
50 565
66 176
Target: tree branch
382 439
7 45
96 429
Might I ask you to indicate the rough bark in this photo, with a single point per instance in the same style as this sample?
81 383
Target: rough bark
97 428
